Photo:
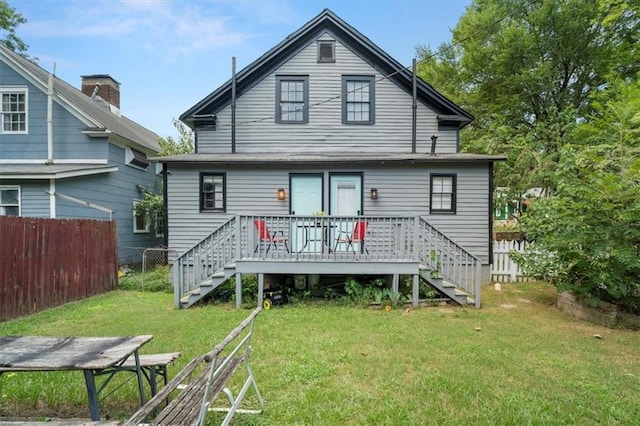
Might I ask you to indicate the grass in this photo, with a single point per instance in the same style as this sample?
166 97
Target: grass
515 361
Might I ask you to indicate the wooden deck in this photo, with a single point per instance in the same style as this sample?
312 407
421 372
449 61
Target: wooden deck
316 245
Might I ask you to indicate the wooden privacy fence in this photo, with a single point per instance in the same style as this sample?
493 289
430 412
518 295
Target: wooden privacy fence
49 262
504 269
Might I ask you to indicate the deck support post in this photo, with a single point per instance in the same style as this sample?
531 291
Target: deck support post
260 288
238 290
395 284
415 290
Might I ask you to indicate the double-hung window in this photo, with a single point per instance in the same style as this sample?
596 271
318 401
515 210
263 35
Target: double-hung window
140 219
358 99
213 193
9 201
443 193
13 110
292 99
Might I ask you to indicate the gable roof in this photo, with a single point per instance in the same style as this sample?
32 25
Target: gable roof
327 21
98 118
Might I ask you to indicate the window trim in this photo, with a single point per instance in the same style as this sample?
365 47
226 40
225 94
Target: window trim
10 187
324 59
147 227
454 193
15 90
370 79
224 193
305 91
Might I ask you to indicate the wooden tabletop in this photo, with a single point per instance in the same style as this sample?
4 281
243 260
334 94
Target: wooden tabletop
37 353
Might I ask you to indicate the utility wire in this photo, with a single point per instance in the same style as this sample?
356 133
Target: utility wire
388 76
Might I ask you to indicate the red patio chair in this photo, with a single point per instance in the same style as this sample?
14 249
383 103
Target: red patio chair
271 239
354 237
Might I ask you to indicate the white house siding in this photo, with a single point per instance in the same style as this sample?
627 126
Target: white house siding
257 131
403 191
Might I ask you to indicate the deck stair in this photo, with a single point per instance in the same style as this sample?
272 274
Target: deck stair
207 286
445 287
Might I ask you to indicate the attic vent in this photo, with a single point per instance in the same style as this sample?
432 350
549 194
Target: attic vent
136 158
326 51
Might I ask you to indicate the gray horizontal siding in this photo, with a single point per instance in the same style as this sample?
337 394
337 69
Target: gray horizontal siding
256 130
34 200
68 141
115 191
402 192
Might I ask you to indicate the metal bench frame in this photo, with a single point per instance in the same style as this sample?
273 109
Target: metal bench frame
200 382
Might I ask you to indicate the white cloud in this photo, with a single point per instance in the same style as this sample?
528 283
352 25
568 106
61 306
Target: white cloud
170 28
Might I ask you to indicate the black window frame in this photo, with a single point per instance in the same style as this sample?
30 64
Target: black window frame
204 209
454 193
370 80
326 59
305 93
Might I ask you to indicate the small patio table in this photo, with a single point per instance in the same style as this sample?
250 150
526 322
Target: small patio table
93 355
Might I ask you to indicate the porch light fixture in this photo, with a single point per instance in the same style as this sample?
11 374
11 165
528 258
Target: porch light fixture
281 194
374 194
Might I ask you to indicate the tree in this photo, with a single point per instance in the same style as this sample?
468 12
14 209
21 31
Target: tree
9 21
527 69
587 237
152 204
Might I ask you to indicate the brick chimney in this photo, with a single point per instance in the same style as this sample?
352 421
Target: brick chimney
102 85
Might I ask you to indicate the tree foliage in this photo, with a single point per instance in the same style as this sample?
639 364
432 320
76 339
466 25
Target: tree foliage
152 203
526 70
9 21
553 84
587 237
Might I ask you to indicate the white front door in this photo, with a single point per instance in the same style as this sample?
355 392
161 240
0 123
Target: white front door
345 200
306 200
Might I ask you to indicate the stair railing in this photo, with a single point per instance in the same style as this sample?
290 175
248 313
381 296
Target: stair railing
204 259
448 260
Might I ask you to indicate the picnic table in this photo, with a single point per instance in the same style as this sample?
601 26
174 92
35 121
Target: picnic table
93 355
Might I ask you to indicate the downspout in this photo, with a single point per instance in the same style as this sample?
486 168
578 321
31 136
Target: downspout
233 105
50 119
52 182
165 204
490 213
414 120
52 198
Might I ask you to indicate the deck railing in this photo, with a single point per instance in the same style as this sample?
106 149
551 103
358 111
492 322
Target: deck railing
448 260
206 258
326 239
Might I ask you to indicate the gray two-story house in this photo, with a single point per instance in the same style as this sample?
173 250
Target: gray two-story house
326 156
70 153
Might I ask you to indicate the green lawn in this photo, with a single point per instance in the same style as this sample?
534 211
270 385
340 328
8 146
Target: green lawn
515 361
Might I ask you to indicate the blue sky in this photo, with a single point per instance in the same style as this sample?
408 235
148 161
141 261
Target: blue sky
169 54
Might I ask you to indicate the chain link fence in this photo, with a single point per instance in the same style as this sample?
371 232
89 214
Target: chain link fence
145 268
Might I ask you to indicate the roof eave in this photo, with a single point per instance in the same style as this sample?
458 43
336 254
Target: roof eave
326 20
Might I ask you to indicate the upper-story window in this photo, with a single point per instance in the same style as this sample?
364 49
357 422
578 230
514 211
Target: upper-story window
9 201
292 99
326 51
443 193
13 110
213 192
358 99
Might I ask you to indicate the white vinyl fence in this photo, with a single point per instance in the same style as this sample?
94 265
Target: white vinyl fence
504 269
